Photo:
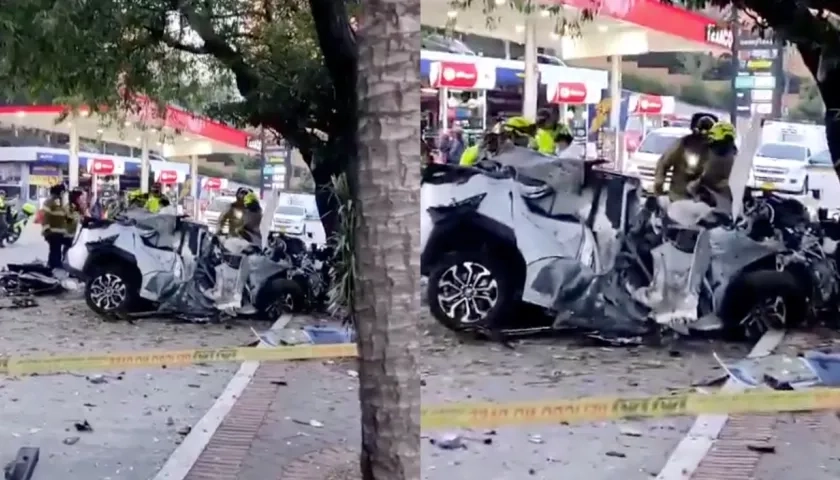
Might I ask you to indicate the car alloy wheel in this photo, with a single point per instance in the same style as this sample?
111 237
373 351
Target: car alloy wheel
765 315
467 292
108 291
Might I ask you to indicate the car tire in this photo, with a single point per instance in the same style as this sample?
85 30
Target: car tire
14 235
111 290
493 291
763 300
280 296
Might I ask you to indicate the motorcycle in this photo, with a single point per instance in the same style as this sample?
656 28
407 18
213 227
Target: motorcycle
19 220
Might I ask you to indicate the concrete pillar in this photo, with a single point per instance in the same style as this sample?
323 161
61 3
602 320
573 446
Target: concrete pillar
194 184
531 90
615 91
73 161
145 166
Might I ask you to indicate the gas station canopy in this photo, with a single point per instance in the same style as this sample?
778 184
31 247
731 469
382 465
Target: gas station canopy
173 132
620 27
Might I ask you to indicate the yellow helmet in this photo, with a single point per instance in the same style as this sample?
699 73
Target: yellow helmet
520 125
251 198
721 131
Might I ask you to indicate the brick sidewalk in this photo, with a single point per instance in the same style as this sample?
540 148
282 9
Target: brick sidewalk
774 446
268 436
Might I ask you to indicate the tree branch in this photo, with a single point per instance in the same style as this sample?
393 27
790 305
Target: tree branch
338 46
158 35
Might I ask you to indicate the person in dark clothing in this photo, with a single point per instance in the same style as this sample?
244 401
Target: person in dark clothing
55 225
456 147
75 210
684 161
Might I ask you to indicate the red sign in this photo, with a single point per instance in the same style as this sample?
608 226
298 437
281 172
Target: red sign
570 92
455 75
649 105
168 177
102 166
213 183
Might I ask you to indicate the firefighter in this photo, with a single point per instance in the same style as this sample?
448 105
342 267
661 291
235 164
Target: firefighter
235 216
55 224
712 185
251 219
75 211
683 160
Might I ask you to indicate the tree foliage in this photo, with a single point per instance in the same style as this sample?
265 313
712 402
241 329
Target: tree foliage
286 65
810 107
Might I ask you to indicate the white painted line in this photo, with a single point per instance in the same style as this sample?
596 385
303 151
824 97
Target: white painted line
685 459
179 464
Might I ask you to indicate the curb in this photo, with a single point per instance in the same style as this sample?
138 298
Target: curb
685 460
182 460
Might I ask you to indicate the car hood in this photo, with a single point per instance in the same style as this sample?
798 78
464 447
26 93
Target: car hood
780 163
289 218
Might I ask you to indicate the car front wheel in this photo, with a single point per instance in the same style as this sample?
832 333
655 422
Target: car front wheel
110 290
470 291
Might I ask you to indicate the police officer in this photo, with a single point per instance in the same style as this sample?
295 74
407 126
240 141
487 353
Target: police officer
4 218
136 199
55 224
156 200
712 185
545 127
683 160
489 146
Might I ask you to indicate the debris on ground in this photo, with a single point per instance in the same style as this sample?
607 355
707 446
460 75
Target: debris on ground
783 372
71 440
761 447
307 335
449 441
23 466
83 426
97 379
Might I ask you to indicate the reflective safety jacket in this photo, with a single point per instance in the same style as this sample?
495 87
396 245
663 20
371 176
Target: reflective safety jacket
233 217
153 204
684 161
74 216
543 141
55 217
470 156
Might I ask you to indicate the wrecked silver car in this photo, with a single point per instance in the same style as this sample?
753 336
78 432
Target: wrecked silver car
583 245
147 263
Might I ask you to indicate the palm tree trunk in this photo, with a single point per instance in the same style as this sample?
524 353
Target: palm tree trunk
387 186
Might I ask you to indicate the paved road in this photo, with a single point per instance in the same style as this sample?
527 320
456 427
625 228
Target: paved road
555 369
280 438
136 416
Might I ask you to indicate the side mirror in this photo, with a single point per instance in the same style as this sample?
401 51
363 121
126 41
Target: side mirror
817 194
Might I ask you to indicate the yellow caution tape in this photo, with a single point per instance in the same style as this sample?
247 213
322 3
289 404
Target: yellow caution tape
489 415
33 365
